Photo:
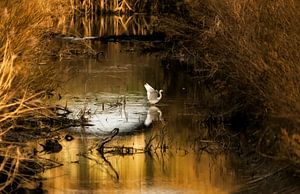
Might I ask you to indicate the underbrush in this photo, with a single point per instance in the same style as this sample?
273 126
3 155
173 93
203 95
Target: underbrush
26 81
247 53
26 84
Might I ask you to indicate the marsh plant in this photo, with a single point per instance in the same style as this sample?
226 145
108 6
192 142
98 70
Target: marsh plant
24 82
25 85
248 53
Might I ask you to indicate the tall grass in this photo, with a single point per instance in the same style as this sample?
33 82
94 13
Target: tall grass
20 24
25 83
21 29
249 53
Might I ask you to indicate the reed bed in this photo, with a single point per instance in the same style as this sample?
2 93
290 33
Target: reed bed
122 7
21 32
26 84
247 53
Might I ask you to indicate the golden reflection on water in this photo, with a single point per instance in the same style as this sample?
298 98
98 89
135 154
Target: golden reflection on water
118 72
170 172
177 170
78 25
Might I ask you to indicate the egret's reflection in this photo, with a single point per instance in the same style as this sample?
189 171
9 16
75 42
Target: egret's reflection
153 114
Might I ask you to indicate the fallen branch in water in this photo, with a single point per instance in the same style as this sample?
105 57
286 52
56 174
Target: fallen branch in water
115 150
100 147
124 150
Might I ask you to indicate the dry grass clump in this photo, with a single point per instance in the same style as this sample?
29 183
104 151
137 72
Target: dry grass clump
21 29
15 101
25 84
252 45
20 23
249 52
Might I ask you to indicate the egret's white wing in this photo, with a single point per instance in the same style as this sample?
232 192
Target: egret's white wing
152 94
149 88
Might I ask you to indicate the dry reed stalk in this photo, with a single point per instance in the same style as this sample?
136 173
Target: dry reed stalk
23 83
21 26
251 45
23 87
14 104
248 51
6 72
12 164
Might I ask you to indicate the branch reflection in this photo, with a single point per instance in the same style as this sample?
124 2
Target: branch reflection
105 165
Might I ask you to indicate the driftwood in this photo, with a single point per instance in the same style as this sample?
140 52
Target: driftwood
106 140
156 37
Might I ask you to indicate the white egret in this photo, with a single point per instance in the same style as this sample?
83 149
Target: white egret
153 95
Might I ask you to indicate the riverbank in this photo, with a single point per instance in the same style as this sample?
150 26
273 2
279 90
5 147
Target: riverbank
247 54
26 84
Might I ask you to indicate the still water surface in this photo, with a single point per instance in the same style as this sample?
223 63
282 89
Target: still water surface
112 94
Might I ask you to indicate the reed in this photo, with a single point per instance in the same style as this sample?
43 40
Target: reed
21 30
120 7
25 84
247 52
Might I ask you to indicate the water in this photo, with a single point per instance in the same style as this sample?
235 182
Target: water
112 91
159 173
109 93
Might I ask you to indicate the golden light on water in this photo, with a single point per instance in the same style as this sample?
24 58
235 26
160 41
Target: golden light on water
158 172
97 87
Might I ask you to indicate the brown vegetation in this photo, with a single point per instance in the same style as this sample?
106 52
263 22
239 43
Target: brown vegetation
20 50
25 85
248 51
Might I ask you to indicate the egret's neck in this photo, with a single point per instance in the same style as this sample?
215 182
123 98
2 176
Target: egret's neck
160 94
